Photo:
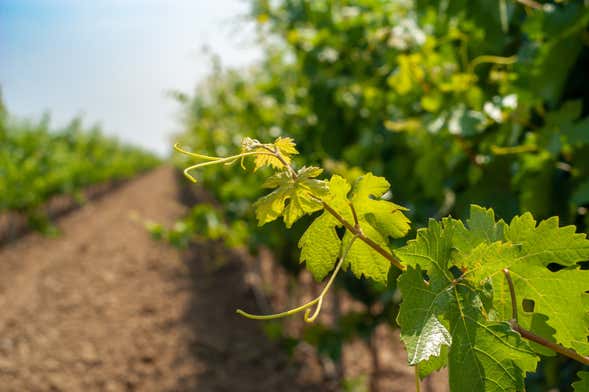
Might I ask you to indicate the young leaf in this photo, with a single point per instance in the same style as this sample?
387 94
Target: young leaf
292 198
285 146
386 217
320 244
378 219
363 260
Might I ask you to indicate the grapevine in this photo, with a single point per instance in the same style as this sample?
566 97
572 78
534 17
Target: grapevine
461 282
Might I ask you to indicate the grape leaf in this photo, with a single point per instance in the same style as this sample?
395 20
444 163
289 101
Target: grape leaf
292 198
422 332
320 244
529 248
284 145
378 219
484 356
583 384
480 227
423 304
431 249
543 244
558 295
386 217
433 364
547 243
496 355
363 260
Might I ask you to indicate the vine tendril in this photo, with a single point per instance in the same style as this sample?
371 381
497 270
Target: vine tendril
308 317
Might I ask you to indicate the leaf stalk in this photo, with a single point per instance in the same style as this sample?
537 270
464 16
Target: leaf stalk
357 232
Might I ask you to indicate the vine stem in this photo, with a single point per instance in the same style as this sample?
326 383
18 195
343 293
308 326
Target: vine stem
512 294
358 232
493 60
567 352
532 336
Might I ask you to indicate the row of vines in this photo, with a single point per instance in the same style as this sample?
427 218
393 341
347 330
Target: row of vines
455 103
38 163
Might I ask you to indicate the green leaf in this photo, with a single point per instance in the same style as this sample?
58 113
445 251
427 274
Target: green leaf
379 219
560 296
485 356
422 332
320 244
386 217
292 198
480 227
497 357
547 243
581 194
363 260
433 364
431 250
579 132
583 384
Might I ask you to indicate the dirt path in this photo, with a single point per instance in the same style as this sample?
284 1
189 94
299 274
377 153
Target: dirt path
105 308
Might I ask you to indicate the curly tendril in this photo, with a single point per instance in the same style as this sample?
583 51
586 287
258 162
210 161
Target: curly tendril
317 302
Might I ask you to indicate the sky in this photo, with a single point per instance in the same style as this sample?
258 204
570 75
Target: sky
114 61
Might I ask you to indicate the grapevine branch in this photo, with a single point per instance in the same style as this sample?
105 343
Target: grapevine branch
354 229
358 232
533 337
275 152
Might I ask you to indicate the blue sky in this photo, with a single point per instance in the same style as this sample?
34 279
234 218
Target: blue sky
112 61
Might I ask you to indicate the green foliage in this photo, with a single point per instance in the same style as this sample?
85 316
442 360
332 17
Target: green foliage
378 218
465 301
38 163
464 286
454 102
292 198
205 222
424 334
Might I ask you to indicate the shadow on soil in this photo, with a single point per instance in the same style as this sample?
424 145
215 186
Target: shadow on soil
230 353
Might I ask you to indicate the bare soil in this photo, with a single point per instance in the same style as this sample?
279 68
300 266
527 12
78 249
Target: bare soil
105 308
